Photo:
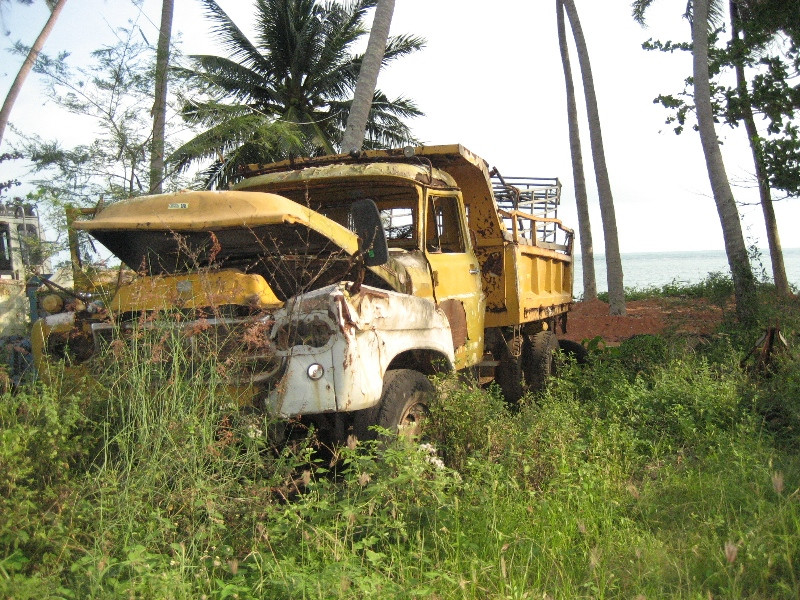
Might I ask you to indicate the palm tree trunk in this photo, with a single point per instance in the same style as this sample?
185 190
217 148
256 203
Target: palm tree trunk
773 237
743 281
26 67
356 127
160 100
616 288
581 199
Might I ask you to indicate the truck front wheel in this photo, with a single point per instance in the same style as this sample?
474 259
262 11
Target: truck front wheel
405 400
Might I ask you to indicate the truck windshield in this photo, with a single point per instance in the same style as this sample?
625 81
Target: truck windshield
397 205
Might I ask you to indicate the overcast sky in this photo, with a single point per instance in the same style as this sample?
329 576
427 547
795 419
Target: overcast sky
490 78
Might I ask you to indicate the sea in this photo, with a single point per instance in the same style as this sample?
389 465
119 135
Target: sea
654 269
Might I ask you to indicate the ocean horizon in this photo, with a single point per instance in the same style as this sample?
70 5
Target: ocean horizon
655 269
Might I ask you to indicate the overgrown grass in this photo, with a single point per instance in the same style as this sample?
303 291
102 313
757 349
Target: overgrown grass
657 470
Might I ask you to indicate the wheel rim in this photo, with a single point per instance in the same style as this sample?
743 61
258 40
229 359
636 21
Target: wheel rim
413 416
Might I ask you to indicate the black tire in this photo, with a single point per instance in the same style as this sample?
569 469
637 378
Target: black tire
538 360
508 374
575 350
405 401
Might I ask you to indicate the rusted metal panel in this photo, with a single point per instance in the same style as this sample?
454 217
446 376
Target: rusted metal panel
377 326
350 171
196 290
540 288
492 277
457 317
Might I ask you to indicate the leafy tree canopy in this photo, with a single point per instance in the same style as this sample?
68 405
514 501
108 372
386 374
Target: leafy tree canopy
111 99
769 50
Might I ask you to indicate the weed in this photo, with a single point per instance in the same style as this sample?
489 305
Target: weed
651 471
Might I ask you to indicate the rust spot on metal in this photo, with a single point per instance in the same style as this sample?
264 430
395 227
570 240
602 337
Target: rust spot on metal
457 316
431 181
374 293
493 264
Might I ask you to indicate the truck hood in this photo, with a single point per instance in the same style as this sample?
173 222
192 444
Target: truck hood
202 211
287 243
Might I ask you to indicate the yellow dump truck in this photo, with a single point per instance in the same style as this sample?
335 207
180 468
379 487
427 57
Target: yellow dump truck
339 283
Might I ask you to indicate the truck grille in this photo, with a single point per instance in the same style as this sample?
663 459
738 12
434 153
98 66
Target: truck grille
238 349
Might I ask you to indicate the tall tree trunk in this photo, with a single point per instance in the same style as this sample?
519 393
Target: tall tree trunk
738 261
616 288
26 67
581 199
160 100
356 128
771 223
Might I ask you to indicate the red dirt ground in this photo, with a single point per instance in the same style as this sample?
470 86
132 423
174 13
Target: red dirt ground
657 315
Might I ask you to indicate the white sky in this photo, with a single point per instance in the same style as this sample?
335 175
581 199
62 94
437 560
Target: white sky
490 78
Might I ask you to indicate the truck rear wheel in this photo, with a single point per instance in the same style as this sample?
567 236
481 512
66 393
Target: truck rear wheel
538 359
405 400
508 374
575 350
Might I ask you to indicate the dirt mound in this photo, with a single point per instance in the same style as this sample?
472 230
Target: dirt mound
656 315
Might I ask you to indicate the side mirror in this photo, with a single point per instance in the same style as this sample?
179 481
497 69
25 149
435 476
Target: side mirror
369 229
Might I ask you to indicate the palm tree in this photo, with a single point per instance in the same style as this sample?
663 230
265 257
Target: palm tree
289 92
738 260
581 200
757 149
356 128
30 60
616 288
702 12
160 103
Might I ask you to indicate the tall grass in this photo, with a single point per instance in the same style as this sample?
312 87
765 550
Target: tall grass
656 470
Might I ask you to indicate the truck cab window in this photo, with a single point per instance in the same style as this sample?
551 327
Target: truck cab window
443 231
399 224
5 248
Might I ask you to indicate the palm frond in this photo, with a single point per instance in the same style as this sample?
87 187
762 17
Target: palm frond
233 40
267 145
212 112
385 126
716 13
280 27
402 45
396 47
344 26
230 134
300 70
335 84
218 74
639 8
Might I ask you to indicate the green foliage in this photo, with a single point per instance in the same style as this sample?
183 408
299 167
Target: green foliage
717 287
655 470
111 99
771 90
10 183
113 96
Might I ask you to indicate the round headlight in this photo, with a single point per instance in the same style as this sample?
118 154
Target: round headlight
315 372
52 303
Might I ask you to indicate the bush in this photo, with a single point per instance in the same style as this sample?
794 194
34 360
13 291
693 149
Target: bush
646 472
